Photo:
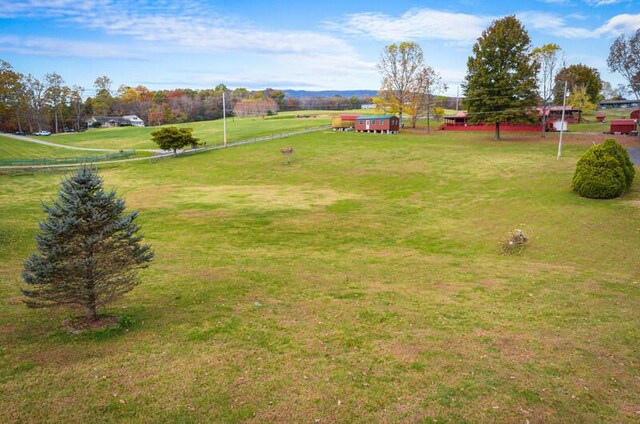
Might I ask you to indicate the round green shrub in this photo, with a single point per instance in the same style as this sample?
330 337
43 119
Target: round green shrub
620 153
599 175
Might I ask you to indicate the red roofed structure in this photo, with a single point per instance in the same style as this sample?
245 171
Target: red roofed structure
623 126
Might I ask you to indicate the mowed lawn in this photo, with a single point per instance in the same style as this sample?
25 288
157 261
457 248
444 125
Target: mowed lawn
210 132
361 283
11 148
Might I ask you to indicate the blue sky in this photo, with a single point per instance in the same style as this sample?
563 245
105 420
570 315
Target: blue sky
283 44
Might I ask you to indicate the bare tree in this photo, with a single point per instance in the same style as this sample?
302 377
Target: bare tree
428 83
549 57
55 95
35 93
399 66
624 58
75 98
103 83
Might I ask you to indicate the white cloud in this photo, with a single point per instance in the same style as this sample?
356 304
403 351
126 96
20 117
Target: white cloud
621 24
602 2
45 46
177 25
556 25
414 24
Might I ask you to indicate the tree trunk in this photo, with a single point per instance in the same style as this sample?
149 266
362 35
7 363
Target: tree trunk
497 136
544 122
428 113
18 119
92 312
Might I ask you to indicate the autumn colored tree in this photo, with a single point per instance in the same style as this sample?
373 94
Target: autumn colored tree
549 60
11 93
56 96
580 99
400 66
578 76
501 85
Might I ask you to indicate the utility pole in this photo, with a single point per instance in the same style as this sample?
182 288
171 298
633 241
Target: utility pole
564 104
224 119
457 97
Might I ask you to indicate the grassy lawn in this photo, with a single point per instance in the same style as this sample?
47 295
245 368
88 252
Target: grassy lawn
210 132
360 283
11 148
590 123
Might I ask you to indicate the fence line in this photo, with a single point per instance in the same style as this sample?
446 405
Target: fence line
67 160
182 153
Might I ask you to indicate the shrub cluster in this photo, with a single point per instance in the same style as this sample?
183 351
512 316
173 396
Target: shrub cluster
604 171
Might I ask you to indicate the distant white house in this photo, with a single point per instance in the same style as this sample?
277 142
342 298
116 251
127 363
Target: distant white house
135 121
368 106
116 121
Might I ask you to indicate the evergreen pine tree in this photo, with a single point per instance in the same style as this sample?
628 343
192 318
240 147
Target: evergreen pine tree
89 249
501 81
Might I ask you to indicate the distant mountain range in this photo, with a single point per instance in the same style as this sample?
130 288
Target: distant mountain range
330 93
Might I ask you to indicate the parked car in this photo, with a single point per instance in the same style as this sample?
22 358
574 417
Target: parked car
43 133
21 133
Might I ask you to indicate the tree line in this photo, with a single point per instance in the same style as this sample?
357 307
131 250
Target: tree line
30 104
507 79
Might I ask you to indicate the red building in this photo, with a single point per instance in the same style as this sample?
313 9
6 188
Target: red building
378 124
343 122
623 126
635 114
459 122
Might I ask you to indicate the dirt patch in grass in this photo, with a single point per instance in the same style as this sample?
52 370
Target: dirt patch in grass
80 325
266 196
149 198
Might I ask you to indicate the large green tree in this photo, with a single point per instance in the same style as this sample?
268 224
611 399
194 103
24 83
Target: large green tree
577 76
88 248
500 85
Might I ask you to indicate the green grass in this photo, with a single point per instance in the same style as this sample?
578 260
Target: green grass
590 123
210 132
361 283
11 148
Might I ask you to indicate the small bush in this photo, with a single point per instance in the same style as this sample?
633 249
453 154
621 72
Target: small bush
599 175
620 153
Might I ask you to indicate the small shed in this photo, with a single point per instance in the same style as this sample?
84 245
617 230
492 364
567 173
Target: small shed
378 124
635 114
622 126
343 122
